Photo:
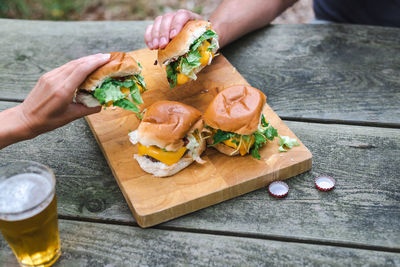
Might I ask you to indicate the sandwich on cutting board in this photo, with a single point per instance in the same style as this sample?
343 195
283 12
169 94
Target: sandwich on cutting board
189 52
235 123
169 138
117 83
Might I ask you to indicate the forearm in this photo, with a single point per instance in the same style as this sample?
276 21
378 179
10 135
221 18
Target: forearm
234 18
12 128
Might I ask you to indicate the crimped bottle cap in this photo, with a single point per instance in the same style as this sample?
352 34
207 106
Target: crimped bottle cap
324 183
278 189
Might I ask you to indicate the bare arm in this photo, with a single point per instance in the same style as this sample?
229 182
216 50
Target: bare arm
50 103
231 19
234 18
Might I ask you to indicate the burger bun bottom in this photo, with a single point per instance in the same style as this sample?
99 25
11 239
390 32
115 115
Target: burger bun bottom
227 150
160 169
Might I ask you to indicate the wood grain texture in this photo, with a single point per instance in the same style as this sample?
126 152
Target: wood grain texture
88 244
335 72
324 72
28 49
154 200
364 209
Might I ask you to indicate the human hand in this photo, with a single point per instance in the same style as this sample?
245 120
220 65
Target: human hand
50 103
166 27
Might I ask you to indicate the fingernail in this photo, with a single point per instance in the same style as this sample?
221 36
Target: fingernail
155 42
150 45
106 56
163 41
172 33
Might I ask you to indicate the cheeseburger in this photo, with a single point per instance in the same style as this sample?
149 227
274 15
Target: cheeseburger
169 138
235 123
189 52
117 83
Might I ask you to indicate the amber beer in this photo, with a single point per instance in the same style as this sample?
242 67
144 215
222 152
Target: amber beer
28 213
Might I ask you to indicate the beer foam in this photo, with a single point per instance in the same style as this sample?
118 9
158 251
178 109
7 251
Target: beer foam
23 192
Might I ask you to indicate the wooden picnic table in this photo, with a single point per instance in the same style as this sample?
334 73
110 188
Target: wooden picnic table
336 86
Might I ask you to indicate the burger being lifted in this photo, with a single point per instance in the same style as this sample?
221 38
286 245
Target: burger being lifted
189 52
169 138
235 123
116 83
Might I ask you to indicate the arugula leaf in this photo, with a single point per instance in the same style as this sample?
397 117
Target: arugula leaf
270 133
140 65
220 136
264 123
261 136
259 141
288 142
255 151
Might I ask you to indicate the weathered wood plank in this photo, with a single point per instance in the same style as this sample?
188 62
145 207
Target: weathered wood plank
364 208
335 72
28 49
89 244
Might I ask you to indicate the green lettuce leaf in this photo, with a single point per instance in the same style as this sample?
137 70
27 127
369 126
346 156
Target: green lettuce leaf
135 94
110 90
171 73
189 63
212 47
220 136
261 136
140 80
288 142
205 36
270 133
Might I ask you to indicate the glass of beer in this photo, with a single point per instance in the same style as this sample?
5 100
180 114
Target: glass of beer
28 213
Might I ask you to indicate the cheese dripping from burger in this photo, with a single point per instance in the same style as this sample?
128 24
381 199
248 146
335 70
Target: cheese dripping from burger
169 138
235 123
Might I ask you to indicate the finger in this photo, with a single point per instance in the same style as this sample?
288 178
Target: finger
181 18
77 111
155 32
68 68
147 36
82 70
165 28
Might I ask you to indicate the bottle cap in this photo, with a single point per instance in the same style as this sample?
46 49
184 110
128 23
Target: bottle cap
324 182
278 189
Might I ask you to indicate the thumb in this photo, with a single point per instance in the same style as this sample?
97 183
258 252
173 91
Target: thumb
76 110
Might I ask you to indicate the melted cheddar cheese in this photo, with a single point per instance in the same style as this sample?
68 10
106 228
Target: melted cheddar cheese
181 79
243 147
166 157
205 58
126 91
204 53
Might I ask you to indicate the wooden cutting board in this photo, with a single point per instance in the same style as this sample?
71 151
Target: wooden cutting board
154 200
